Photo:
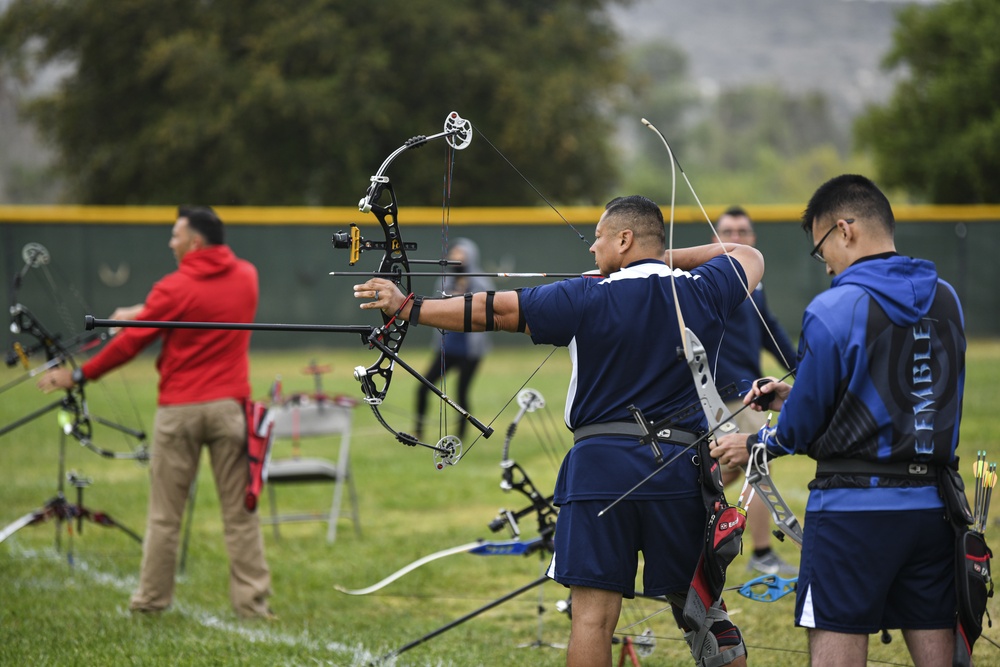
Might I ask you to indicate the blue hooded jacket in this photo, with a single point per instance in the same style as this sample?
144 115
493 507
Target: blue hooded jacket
881 378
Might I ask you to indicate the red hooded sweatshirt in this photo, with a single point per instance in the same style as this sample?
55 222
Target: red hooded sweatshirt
195 365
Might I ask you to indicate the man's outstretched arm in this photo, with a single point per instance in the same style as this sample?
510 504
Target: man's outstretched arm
503 308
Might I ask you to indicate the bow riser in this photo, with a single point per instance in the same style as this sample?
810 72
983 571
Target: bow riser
764 487
720 419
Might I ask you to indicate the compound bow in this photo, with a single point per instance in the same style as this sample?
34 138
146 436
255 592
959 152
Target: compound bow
395 265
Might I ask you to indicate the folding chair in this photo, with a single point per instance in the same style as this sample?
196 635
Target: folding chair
306 415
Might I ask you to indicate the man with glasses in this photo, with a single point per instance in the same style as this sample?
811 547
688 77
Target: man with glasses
877 402
751 328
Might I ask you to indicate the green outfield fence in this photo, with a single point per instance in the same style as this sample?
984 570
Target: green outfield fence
106 256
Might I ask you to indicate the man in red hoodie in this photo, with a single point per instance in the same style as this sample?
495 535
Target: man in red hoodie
204 379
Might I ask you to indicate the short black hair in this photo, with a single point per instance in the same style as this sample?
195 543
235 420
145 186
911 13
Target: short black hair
736 211
205 221
640 214
849 196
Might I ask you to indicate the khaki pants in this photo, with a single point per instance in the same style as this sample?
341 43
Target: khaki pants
180 432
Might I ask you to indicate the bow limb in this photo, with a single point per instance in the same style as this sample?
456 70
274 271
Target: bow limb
528 400
447 451
514 478
513 547
759 477
718 415
450 450
410 568
31 517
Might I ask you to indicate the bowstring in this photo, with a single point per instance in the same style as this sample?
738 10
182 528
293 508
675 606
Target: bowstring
448 181
732 263
509 401
579 235
530 184
715 234
550 451
547 433
675 166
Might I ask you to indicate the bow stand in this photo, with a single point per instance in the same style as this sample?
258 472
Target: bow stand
74 417
513 478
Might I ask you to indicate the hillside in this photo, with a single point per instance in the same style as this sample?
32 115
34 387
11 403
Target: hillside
831 45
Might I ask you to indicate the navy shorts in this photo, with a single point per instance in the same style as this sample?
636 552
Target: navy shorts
603 552
864 571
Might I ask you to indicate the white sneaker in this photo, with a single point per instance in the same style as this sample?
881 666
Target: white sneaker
771 563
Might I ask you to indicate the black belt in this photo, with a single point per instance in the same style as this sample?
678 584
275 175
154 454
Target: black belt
672 435
900 469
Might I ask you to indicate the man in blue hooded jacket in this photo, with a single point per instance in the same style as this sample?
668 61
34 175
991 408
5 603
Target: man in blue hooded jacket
877 402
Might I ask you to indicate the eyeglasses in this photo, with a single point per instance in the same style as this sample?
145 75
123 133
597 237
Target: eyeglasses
816 254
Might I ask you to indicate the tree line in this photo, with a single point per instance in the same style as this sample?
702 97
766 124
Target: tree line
243 102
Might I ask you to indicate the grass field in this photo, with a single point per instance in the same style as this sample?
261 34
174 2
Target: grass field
60 611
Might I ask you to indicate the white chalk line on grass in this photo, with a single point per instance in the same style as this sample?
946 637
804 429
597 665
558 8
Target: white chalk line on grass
357 653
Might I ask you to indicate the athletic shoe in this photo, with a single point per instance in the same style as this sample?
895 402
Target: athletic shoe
771 563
